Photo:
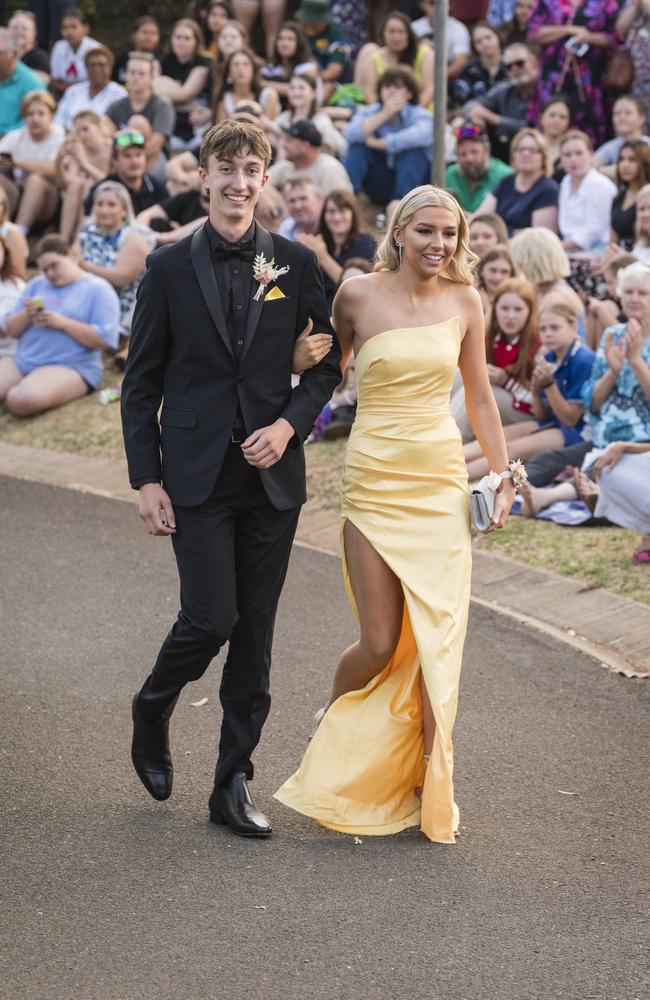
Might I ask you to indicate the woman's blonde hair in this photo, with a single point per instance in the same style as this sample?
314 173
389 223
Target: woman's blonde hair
461 266
540 142
539 255
121 192
643 239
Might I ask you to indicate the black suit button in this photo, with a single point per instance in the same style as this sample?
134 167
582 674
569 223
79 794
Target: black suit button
238 308
235 270
239 343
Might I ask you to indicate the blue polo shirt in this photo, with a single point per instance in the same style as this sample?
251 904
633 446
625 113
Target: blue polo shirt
573 372
12 92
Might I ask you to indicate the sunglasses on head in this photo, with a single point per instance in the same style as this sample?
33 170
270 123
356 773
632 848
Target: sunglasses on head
515 64
468 132
127 138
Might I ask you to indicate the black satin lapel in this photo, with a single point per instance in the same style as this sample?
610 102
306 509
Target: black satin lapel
202 263
264 245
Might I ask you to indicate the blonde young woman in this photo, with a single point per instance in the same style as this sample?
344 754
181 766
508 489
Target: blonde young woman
381 758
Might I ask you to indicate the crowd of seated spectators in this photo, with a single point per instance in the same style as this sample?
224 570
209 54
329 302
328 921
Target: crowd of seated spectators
547 151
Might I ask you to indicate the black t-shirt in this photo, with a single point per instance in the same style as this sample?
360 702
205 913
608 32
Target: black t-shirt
362 246
151 193
516 207
179 71
119 67
184 208
37 59
623 219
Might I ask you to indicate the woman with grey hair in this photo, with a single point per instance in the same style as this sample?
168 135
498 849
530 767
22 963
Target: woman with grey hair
112 246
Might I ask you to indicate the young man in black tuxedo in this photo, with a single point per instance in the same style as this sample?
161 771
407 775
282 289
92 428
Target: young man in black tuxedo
223 470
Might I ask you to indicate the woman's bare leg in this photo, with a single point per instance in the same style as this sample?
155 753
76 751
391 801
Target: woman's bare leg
536 499
38 203
380 604
246 12
10 375
272 17
43 389
71 207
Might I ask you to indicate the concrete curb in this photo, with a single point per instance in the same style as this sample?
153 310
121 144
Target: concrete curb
612 629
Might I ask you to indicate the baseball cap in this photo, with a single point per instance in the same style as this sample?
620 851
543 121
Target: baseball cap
467 131
314 10
305 131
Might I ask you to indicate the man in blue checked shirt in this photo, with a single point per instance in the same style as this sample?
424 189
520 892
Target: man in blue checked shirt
390 142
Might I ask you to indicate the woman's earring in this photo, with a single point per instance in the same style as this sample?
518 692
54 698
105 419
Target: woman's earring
400 247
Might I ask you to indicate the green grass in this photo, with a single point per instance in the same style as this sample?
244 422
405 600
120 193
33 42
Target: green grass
598 557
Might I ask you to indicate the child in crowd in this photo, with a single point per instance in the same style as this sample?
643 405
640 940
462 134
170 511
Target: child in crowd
511 345
485 231
494 268
557 382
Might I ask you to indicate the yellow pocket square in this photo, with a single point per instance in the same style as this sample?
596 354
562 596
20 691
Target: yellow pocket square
275 293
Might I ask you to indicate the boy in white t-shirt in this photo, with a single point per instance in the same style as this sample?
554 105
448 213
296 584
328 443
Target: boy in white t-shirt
67 60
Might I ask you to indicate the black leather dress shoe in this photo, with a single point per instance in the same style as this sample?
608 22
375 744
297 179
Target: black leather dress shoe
231 804
151 756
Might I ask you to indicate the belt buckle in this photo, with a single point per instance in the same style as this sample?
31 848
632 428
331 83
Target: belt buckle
234 439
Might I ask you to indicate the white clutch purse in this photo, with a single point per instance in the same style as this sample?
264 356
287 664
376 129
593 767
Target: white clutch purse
484 494
483 500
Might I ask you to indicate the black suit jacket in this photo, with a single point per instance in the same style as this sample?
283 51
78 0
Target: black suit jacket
180 354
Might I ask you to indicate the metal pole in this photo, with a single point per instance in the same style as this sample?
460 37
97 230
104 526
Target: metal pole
441 12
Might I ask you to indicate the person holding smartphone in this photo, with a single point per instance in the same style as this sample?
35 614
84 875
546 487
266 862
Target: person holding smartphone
573 37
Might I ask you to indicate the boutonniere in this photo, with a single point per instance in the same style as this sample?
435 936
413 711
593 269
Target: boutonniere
265 272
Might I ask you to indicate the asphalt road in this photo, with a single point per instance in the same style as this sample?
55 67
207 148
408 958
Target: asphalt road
108 895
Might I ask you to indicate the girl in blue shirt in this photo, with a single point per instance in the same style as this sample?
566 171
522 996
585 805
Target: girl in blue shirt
62 321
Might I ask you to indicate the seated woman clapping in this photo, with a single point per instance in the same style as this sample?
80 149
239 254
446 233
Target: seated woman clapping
62 321
557 383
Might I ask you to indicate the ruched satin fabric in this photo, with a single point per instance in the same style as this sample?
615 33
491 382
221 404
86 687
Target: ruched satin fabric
405 489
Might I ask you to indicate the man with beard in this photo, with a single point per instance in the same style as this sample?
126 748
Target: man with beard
504 109
476 173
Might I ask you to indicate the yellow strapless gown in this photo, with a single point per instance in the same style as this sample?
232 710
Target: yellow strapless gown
405 489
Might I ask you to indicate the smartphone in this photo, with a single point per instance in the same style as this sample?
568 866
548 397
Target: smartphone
577 47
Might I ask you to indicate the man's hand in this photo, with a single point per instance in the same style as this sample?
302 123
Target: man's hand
266 446
394 104
309 349
480 115
156 511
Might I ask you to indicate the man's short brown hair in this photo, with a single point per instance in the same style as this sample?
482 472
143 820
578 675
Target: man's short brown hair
400 76
234 138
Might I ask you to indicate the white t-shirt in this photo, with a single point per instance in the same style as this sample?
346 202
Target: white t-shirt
459 41
20 144
327 171
68 65
77 98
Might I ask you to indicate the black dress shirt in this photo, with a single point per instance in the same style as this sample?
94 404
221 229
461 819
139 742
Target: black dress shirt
234 276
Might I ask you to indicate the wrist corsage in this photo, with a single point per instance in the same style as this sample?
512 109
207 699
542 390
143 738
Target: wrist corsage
484 494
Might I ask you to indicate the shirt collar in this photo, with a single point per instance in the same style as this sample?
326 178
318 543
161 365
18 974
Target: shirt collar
214 236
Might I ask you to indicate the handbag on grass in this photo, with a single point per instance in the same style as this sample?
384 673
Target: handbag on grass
484 494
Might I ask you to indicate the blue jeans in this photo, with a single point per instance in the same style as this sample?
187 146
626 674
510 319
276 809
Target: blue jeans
369 172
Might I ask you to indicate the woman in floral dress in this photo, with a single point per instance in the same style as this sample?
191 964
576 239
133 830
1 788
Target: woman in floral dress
579 78
634 26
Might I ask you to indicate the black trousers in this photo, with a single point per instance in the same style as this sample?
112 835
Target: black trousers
543 468
232 554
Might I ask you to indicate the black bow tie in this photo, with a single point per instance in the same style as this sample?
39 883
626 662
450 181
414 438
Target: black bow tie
244 250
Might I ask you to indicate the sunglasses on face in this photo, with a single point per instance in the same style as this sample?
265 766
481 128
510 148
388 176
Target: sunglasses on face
515 64
123 139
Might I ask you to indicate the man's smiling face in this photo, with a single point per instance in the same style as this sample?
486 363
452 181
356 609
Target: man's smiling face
234 184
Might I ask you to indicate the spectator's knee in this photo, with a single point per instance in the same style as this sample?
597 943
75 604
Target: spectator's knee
21 402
